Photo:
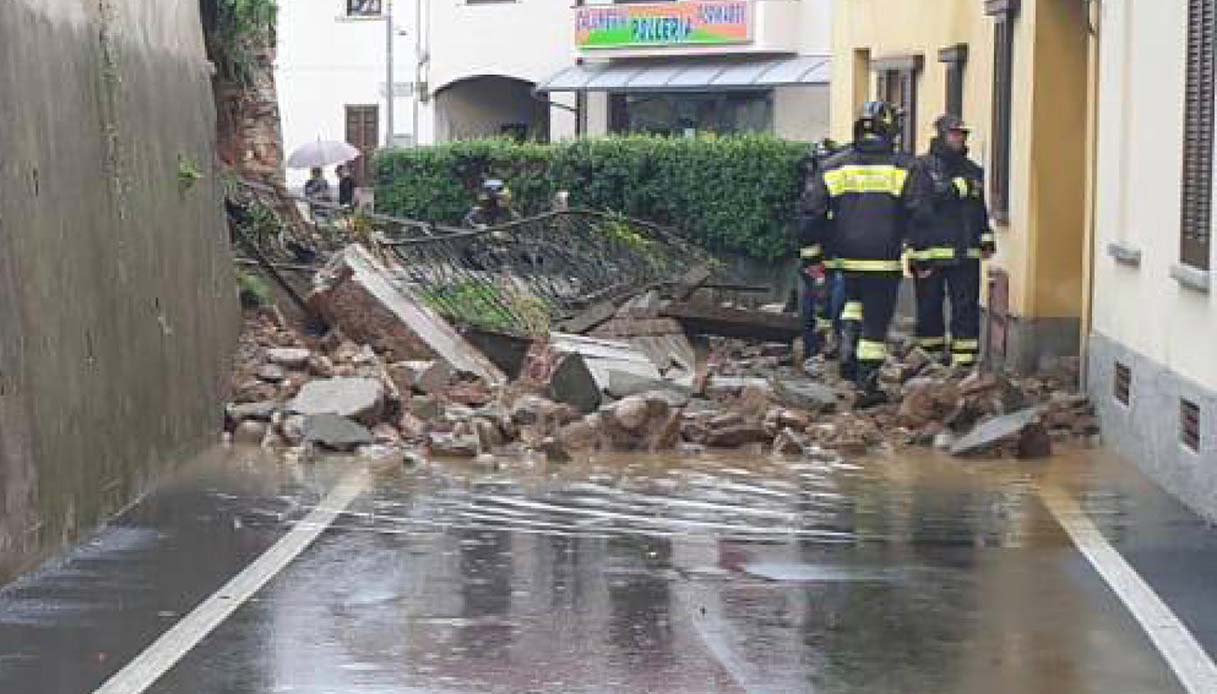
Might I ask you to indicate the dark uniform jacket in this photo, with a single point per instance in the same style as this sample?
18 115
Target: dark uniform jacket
950 221
854 214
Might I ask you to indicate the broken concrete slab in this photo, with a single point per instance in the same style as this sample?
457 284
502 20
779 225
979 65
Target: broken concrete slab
734 322
589 318
361 399
335 432
576 370
805 395
289 357
453 445
261 411
271 373
622 384
359 294
994 431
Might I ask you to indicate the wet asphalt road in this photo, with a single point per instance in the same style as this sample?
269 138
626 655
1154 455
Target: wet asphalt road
912 574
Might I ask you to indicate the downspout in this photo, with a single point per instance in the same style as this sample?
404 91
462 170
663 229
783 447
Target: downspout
1093 40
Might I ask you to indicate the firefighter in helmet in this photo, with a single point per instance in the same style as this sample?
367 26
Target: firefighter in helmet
493 207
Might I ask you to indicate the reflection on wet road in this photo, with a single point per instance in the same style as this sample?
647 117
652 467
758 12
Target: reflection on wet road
634 575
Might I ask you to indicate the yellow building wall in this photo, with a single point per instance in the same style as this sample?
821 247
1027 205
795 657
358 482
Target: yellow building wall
1041 245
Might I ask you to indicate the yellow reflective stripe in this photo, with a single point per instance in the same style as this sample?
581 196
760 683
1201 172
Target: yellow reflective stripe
986 238
831 265
965 345
961 184
869 350
852 311
963 359
941 253
931 341
823 324
864 178
869 265
811 251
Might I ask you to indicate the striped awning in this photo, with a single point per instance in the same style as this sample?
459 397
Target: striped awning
691 75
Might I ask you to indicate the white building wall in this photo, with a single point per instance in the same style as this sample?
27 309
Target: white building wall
1140 156
327 61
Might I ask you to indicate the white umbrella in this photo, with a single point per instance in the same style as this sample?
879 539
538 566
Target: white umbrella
322 153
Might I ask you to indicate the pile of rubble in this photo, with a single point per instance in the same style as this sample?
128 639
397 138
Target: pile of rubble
392 380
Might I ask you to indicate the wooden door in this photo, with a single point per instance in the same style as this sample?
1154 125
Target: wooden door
363 131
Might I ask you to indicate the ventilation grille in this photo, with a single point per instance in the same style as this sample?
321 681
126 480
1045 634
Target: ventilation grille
1189 430
1123 383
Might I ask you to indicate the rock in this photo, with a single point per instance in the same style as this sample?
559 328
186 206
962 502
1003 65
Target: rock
640 424
631 413
994 431
381 455
623 384
775 349
790 442
292 429
753 401
925 400
793 419
805 395
361 399
386 434
250 433
426 407
435 378
359 294
412 427
289 357
581 436
727 387
260 411
255 391
944 440
688 448
271 373
488 434
320 366
533 410
914 363
554 451
737 435
335 432
471 393
453 445
1086 425
1034 443
725 420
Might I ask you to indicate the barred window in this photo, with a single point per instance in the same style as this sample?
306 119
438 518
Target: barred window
364 8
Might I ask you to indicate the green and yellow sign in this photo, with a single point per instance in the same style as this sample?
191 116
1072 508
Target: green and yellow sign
682 23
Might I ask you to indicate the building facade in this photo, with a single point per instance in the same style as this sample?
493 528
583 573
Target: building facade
1017 71
545 69
332 71
1152 352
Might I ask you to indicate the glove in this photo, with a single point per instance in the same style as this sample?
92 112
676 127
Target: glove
946 189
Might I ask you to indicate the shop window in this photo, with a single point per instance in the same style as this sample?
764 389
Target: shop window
897 84
954 58
1003 13
688 114
364 8
1197 203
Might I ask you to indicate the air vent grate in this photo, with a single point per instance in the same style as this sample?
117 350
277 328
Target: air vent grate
1190 425
1123 384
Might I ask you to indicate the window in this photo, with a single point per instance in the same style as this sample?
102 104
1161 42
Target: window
1189 424
1003 12
1197 204
955 58
364 8
680 114
897 85
1123 384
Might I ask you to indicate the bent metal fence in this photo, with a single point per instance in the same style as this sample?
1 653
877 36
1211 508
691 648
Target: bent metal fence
524 276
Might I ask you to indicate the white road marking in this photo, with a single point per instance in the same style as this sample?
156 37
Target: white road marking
146 668
1191 664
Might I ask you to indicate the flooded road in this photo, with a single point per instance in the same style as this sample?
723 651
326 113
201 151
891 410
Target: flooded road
893 574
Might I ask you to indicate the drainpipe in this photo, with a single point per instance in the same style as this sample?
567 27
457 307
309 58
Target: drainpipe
1093 27
390 96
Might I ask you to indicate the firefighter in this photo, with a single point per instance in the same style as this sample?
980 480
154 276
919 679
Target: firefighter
821 290
857 210
949 236
493 207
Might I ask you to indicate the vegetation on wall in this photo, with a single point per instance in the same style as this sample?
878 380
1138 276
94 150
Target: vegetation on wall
734 193
235 30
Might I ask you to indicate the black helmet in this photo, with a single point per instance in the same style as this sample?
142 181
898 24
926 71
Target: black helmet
950 123
493 190
876 118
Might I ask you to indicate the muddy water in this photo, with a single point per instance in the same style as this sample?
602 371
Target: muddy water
676 575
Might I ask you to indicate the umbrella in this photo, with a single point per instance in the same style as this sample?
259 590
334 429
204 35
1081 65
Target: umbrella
322 153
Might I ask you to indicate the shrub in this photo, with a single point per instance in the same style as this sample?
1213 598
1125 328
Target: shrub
735 193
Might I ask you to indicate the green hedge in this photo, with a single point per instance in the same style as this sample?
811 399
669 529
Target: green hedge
729 193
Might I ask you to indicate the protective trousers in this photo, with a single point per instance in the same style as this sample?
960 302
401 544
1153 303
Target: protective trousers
870 304
961 283
820 309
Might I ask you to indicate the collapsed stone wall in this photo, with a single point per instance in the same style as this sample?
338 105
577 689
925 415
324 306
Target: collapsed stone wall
117 300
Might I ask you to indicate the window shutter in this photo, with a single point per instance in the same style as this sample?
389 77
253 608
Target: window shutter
1197 212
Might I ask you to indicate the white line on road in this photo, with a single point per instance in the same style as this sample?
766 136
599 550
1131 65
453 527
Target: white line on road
1192 665
165 652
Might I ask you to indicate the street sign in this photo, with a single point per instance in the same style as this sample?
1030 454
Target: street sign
399 89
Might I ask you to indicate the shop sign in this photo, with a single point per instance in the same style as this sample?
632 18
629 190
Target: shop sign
681 23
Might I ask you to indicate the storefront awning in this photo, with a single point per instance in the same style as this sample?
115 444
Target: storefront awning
691 75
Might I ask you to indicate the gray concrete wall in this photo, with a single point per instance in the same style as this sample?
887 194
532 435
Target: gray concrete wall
1147 430
117 301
